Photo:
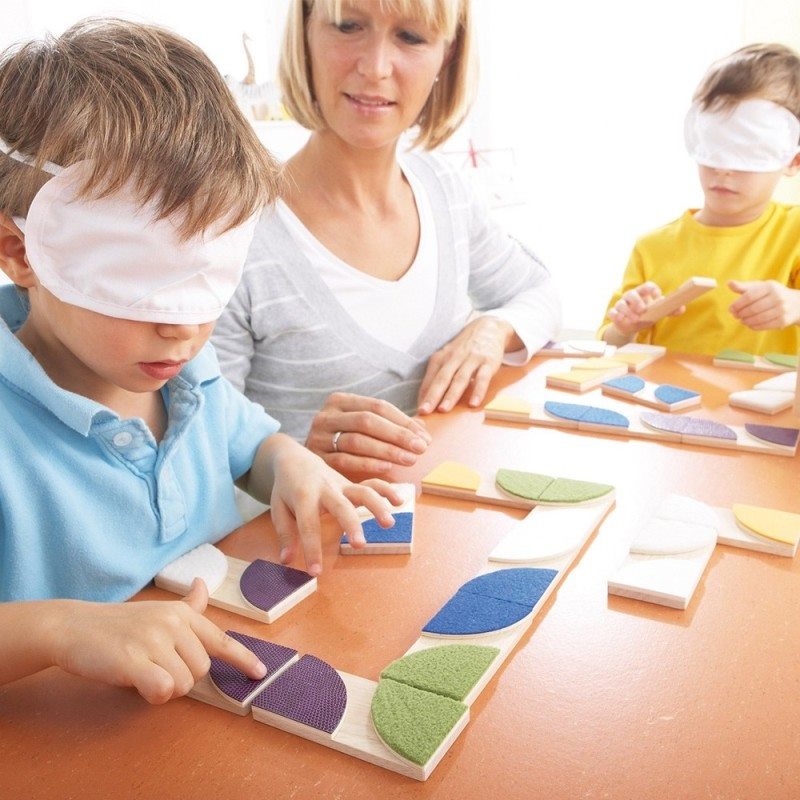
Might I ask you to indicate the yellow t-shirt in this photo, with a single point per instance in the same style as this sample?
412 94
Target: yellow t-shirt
766 249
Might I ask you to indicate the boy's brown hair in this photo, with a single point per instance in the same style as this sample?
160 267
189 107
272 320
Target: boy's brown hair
141 103
767 71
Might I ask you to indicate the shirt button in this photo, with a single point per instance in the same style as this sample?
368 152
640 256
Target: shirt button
122 439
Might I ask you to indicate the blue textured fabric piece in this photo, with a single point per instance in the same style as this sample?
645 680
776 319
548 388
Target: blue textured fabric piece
399 533
574 411
667 393
604 416
524 585
627 383
466 613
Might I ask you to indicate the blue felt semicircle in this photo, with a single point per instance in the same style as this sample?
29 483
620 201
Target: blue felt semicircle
574 411
673 394
466 614
399 533
628 383
523 585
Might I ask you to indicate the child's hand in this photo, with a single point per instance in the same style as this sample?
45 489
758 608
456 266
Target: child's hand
305 486
765 305
161 648
627 311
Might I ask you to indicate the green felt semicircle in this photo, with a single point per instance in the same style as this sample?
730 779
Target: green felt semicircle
451 670
547 490
736 355
782 359
523 484
411 722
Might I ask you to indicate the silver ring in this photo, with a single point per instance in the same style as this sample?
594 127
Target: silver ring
335 441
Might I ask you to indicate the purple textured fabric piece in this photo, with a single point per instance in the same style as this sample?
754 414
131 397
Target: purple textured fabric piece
236 684
310 692
773 434
264 584
689 426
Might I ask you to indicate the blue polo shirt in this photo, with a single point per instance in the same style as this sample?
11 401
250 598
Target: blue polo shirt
91 506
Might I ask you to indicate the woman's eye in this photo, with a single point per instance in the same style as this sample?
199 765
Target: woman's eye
346 26
409 37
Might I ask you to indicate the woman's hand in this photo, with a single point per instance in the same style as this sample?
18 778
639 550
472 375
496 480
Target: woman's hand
361 434
160 648
765 305
468 361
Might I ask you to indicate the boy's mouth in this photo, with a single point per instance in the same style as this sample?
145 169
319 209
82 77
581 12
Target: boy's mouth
161 370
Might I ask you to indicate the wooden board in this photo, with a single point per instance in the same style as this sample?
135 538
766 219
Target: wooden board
758 363
638 356
648 395
576 348
489 492
228 594
685 293
522 412
581 378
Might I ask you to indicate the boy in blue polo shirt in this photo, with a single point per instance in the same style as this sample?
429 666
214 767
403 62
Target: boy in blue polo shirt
129 188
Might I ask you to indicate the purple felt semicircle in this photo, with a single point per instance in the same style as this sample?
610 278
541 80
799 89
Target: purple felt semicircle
667 393
786 437
689 426
236 684
628 383
264 584
310 692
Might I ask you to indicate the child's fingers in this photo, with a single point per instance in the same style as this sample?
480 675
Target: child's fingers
197 599
218 644
386 489
152 681
362 494
178 670
341 507
306 517
285 528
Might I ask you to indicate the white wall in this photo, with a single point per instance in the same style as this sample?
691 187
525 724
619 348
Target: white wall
587 97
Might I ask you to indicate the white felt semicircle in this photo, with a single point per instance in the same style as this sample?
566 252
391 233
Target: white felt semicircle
684 509
670 537
205 561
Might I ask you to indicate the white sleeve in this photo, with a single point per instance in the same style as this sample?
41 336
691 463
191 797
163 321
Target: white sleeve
509 282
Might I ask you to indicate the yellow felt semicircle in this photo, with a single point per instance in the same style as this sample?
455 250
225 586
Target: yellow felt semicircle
781 526
595 364
454 476
511 405
632 358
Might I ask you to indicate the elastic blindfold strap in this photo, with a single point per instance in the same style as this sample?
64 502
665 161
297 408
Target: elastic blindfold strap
47 166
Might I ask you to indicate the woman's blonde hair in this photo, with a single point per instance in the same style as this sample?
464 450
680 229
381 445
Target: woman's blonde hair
767 71
452 94
139 102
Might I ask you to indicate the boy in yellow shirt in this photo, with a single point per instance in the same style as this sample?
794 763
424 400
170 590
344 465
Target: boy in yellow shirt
743 132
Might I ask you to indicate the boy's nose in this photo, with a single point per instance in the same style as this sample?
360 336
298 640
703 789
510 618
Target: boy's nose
182 332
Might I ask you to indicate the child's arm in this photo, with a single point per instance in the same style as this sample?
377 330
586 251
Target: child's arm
765 305
160 648
299 485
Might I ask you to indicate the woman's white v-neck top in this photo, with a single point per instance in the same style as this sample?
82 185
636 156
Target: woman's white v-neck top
392 312
287 340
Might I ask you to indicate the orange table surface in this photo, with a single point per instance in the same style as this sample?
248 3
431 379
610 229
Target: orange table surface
604 697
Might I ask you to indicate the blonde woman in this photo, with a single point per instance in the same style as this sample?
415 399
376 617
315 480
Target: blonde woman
378 287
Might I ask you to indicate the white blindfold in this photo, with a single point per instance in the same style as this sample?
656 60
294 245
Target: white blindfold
113 255
754 136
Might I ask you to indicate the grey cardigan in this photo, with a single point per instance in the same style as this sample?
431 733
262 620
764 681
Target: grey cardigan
287 343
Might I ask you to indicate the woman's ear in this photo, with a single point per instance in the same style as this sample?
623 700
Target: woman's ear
12 253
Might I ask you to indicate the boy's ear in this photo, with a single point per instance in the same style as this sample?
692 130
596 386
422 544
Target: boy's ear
12 253
793 167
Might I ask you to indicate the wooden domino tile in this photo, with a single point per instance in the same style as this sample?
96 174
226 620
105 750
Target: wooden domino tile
260 590
751 437
668 556
577 348
589 374
398 539
684 294
769 362
638 356
663 397
512 488
769 396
